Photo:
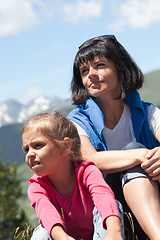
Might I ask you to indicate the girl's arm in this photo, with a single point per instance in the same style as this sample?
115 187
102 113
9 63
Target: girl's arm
58 233
112 161
113 228
46 210
104 200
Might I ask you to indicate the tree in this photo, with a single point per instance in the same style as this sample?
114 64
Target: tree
11 216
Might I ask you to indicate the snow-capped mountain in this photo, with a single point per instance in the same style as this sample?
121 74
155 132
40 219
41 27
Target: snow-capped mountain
12 111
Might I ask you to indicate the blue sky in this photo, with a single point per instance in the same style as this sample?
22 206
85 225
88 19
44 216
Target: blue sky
39 39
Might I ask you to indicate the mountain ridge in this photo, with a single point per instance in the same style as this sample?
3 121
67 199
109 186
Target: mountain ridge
12 111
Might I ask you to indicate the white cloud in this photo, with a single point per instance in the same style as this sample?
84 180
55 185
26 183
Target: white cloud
136 14
16 16
82 11
20 15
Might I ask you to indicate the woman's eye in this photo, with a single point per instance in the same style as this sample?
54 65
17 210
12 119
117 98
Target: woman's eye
100 65
84 71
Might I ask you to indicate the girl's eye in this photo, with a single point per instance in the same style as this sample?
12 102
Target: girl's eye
26 149
38 145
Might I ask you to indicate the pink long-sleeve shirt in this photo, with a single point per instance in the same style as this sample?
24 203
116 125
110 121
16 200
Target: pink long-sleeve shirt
73 212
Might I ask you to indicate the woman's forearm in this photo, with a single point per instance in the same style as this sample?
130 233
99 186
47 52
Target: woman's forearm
112 161
117 161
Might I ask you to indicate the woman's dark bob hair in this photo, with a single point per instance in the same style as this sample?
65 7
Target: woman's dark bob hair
129 74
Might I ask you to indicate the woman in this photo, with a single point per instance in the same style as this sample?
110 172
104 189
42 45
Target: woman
110 115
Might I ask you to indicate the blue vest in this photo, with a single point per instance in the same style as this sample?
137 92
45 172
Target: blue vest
90 117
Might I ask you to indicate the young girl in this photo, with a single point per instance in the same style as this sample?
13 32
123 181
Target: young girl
65 189
111 118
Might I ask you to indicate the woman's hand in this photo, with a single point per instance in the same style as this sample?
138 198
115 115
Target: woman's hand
152 163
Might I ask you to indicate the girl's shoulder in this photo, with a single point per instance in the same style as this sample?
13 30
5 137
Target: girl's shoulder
81 166
39 179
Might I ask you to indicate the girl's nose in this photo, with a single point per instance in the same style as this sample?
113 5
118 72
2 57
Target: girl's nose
30 158
30 154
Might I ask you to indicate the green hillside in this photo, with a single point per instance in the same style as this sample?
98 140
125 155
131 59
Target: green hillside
150 91
24 173
10 143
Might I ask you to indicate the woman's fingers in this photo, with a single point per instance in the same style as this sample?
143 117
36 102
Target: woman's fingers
152 164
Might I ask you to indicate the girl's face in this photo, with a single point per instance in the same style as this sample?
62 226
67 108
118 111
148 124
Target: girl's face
100 77
42 155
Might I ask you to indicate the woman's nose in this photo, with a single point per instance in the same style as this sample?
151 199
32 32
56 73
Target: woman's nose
92 72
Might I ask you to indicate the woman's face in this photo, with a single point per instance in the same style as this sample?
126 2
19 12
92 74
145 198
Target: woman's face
100 77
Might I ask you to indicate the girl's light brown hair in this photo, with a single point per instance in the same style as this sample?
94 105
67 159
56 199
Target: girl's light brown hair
56 127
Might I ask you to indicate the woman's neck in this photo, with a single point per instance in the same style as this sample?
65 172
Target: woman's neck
112 110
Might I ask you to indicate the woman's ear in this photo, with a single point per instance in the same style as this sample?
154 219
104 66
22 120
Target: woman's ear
67 145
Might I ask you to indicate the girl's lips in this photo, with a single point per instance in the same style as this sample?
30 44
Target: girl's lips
35 163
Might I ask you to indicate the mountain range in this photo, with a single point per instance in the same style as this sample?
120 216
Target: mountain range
12 111
13 114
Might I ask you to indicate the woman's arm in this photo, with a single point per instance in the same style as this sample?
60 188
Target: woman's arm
112 161
157 134
152 164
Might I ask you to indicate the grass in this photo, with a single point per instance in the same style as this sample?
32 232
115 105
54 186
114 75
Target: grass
23 234
24 174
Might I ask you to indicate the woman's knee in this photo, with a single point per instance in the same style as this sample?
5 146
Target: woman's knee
133 145
134 172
